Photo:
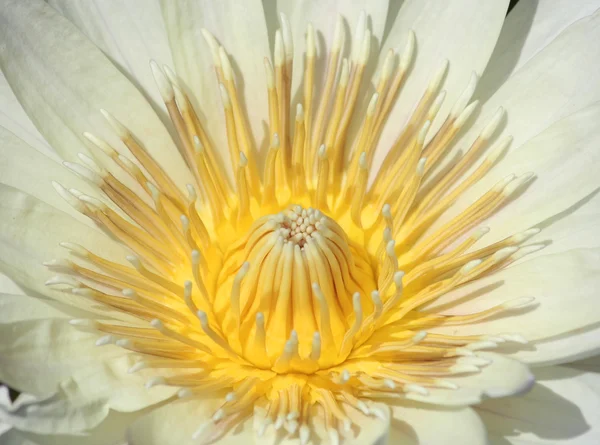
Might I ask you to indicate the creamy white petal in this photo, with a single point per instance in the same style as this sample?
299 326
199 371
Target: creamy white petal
32 172
9 286
43 356
562 408
15 308
565 348
111 431
30 233
176 423
502 377
15 119
240 27
529 27
464 33
560 80
130 33
63 80
38 355
565 286
323 15
109 381
418 424
565 160
56 415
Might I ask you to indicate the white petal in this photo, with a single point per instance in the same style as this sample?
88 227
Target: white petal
560 80
562 408
175 424
9 286
32 172
416 424
62 80
464 33
565 161
30 233
323 15
563 348
41 356
565 286
130 33
15 308
37 355
529 28
55 415
110 382
240 27
501 378
111 431
15 119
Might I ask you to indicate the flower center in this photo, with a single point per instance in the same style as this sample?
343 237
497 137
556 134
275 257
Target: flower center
254 295
303 284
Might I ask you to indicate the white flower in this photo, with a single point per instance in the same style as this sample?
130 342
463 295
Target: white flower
325 244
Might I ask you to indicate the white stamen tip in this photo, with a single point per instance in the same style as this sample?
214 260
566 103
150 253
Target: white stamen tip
275 142
225 65
446 384
225 96
155 382
286 32
467 268
421 166
423 133
157 324
515 185
419 336
409 50
185 392
213 45
525 235
243 160
504 253
418 389
299 113
478 233
322 151
398 278
62 279
518 303
516 338
466 114
484 344
106 340
117 126
304 434
57 263
82 322
164 85
279 51
124 343
137 367
493 124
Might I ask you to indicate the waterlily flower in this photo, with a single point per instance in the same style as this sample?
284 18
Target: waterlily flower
301 222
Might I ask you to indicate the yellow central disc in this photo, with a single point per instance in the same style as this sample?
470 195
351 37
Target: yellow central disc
299 273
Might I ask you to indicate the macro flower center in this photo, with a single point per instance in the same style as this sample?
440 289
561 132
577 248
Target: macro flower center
302 285
298 294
